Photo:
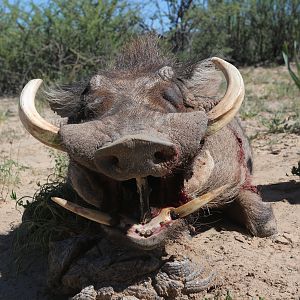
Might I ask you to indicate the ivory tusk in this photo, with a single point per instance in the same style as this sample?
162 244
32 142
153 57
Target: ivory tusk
38 127
193 205
91 214
231 102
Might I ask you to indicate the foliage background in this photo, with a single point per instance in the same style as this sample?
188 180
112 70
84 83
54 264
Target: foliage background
64 41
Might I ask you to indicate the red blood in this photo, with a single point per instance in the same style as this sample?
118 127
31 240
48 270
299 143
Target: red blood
248 186
241 158
183 197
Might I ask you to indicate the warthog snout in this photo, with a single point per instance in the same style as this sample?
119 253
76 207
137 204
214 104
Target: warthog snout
136 156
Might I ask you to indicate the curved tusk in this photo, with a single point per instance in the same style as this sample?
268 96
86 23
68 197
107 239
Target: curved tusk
193 205
91 214
229 105
31 119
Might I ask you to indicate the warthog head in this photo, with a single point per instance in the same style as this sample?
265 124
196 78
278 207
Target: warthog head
132 135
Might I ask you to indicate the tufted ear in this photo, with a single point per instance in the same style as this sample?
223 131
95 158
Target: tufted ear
66 100
201 83
202 80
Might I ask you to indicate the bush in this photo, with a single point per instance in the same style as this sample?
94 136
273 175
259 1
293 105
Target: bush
61 40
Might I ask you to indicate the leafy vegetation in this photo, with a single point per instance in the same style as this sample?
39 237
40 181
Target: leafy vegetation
60 40
3 116
64 41
9 176
44 221
294 76
61 162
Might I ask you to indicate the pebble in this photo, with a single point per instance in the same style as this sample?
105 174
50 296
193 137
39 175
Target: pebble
275 152
240 238
289 237
281 240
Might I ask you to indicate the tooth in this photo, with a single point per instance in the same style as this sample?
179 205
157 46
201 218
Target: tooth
88 213
144 192
195 204
148 233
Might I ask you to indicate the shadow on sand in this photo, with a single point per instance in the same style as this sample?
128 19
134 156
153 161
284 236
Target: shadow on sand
275 192
26 281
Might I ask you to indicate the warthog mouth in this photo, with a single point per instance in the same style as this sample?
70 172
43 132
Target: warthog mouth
146 209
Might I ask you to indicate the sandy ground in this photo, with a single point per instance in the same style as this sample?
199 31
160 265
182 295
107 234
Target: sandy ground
248 267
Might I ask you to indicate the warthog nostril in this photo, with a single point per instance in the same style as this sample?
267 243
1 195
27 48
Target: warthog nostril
113 160
163 156
136 156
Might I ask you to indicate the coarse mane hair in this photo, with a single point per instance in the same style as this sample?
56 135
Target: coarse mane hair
143 53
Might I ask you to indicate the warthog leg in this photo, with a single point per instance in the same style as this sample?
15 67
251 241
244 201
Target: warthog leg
251 211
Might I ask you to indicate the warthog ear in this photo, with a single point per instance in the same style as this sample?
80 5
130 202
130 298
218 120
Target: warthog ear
202 81
66 100
222 112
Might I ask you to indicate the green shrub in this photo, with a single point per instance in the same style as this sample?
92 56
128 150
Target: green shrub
59 40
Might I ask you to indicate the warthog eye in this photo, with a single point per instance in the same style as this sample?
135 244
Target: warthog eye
173 95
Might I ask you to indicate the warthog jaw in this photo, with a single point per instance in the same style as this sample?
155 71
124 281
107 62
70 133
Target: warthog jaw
144 229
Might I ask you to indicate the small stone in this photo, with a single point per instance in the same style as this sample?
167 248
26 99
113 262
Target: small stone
148 233
289 237
250 294
275 151
281 240
105 293
240 238
88 293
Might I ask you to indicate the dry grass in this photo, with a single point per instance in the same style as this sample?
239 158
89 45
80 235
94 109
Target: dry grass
272 100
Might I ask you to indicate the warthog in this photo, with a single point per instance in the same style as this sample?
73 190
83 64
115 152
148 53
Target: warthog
150 143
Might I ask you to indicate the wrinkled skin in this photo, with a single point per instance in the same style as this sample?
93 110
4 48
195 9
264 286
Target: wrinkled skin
146 119
115 272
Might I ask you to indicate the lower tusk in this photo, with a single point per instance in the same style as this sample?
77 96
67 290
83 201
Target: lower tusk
193 205
87 213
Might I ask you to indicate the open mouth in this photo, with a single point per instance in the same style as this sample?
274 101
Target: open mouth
154 206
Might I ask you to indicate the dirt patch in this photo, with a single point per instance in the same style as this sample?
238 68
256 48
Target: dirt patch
248 267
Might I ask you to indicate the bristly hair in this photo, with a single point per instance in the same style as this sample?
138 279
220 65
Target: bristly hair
143 53
66 99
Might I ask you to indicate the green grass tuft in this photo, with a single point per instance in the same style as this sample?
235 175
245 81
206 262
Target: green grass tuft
9 176
44 221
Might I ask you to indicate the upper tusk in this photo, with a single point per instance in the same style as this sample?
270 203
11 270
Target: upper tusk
91 214
229 105
38 127
193 205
